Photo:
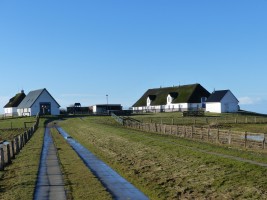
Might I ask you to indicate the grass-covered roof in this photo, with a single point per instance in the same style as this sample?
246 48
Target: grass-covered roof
15 101
183 94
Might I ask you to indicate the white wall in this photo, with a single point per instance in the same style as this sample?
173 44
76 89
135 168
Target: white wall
169 107
11 111
213 107
229 103
24 111
45 98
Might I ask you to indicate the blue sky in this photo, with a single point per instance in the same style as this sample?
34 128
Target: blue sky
82 50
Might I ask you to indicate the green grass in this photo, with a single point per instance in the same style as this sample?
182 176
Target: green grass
9 128
16 122
165 167
79 181
17 181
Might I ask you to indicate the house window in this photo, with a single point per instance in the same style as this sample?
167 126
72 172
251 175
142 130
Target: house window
169 99
203 99
203 102
148 102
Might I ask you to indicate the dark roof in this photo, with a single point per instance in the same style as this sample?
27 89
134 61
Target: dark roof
217 96
30 99
16 100
184 94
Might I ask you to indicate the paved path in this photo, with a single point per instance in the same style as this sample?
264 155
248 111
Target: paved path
50 185
119 188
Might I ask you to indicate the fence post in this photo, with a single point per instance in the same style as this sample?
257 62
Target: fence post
172 121
177 130
20 142
2 159
264 141
192 132
207 121
246 139
209 133
7 154
229 137
164 129
218 136
246 120
12 150
25 137
16 145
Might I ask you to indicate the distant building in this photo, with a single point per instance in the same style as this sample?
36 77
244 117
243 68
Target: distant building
78 109
10 109
178 98
106 108
38 101
222 101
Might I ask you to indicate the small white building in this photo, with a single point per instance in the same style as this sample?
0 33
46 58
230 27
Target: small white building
38 101
10 109
222 101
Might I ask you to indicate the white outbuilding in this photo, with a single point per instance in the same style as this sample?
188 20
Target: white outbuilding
38 101
11 107
222 101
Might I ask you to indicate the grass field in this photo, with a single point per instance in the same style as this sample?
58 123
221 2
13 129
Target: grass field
16 122
18 179
9 128
164 167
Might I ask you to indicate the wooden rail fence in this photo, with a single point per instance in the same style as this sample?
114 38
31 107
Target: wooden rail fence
211 135
9 149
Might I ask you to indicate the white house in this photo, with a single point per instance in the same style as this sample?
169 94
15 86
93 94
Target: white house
10 109
222 101
177 98
38 101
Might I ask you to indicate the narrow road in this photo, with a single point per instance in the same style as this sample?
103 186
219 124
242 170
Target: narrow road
119 188
50 185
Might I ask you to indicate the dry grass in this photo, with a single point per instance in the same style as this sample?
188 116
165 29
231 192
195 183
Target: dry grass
164 170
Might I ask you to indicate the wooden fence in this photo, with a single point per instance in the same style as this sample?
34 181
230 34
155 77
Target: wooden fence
206 120
9 149
218 136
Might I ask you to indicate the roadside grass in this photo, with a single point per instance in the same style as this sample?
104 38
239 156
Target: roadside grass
17 181
80 182
164 167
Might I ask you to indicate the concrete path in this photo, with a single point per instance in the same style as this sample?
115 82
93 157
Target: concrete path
50 185
119 188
